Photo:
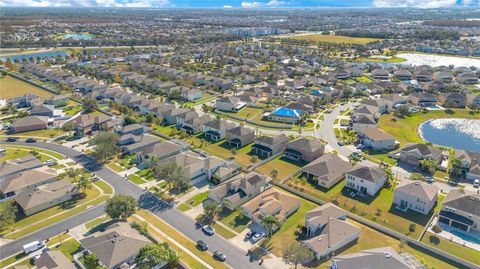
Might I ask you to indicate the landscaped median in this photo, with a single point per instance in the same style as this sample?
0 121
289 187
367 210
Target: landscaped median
184 241
58 213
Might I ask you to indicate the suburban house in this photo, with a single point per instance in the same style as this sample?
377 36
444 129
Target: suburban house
377 139
240 189
394 100
87 123
15 166
161 151
417 196
191 122
118 244
326 170
452 100
378 258
327 230
304 150
45 196
380 74
461 210
240 136
132 144
266 146
171 114
366 180
403 75
424 76
53 259
30 123
229 103
286 115
470 163
271 202
133 129
423 99
26 180
362 121
413 153
26 100
57 100
43 110
216 130
473 100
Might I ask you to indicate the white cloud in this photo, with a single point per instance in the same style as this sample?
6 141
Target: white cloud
424 3
251 4
227 6
86 3
271 3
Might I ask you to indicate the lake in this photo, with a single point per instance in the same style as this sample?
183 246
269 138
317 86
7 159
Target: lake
452 132
35 55
77 36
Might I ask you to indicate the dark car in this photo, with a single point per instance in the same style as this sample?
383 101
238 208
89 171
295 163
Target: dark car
249 234
220 255
340 143
31 140
208 230
11 139
202 245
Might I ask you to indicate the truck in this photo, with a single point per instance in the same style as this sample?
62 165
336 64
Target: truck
33 246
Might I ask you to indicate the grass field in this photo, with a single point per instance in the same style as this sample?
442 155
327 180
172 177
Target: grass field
405 130
222 150
336 39
89 225
284 166
235 220
246 112
222 231
28 149
11 87
380 60
46 133
452 247
115 167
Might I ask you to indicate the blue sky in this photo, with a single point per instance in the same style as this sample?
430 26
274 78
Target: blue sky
242 3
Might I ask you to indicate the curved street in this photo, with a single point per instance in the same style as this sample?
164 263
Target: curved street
185 225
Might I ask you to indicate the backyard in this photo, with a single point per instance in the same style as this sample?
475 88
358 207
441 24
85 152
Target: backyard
222 150
452 247
12 87
284 166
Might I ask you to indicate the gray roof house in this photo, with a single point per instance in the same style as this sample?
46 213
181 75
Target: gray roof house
414 152
240 136
327 170
267 146
139 143
461 209
304 150
54 259
470 163
216 130
378 258
417 196
365 180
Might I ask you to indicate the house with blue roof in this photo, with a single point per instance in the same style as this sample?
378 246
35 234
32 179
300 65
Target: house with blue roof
286 115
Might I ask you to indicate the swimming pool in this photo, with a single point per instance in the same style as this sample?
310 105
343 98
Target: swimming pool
466 237
435 107
287 112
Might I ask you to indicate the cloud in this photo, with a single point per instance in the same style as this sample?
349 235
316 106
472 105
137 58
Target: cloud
86 3
227 6
271 3
424 3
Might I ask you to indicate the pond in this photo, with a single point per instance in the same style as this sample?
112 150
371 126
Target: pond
452 132
78 36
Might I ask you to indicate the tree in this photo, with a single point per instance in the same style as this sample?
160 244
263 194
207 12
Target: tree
269 222
105 145
8 212
416 176
84 183
165 171
211 211
90 260
121 206
354 158
297 253
89 104
274 173
153 254
429 166
455 167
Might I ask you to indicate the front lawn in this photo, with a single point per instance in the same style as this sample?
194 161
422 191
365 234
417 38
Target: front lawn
69 248
45 133
222 231
236 220
246 112
136 179
115 167
284 166
89 225
453 248
405 130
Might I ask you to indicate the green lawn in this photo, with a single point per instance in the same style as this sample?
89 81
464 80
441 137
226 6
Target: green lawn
183 207
115 167
284 166
127 161
5 262
192 202
12 87
453 248
364 79
379 157
405 130
222 150
54 154
46 133
107 189
222 231
246 112
13 154
68 248
89 225
72 110
146 174
136 179
236 220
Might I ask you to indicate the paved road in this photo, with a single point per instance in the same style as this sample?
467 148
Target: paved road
236 257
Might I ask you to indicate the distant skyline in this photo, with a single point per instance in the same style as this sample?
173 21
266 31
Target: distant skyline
245 4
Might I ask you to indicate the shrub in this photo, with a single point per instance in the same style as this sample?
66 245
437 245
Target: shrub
412 227
436 228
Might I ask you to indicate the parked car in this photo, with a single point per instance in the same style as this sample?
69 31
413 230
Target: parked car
94 178
476 183
11 139
33 246
50 162
340 143
249 234
31 140
208 230
344 124
202 245
220 255
429 179
258 236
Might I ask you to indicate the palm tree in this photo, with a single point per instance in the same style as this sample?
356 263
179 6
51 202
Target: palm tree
274 173
269 222
84 183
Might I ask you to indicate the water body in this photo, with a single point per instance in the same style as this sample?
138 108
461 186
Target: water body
35 55
454 132
77 36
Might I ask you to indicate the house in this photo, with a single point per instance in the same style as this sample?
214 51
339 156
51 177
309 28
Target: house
138 143
225 172
57 100
452 100
318 217
42 110
442 76
53 259
18 165
304 150
87 123
229 103
423 99
161 151
26 180
191 122
45 196
271 202
118 244
240 189
191 94
417 196
171 114
240 136
403 75
461 210
26 100
360 122
30 123
394 100
327 170
473 101
424 76
466 78
366 180
133 129
377 139
286 115
413 153
470 163
216 130
380 74
267 146
378 258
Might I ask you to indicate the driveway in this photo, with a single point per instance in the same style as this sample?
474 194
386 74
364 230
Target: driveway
235 256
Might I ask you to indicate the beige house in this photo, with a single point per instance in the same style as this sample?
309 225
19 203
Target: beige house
461 209
413 153
377 139
53 259
240 136
240 189
364 179
417 196
27 180
266 146
45 196
378 258
270 203
327 170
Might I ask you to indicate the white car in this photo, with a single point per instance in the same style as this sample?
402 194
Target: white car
476 183
258 236
50 162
